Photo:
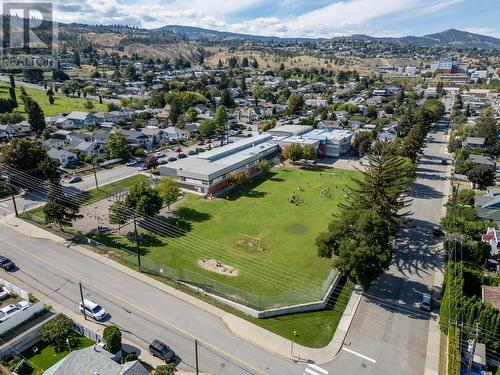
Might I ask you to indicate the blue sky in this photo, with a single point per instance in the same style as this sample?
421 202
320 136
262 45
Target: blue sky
297 18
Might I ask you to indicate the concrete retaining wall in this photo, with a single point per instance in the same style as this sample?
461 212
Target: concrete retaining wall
306 307
20 317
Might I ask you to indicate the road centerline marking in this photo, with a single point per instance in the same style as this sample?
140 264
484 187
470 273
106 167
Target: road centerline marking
359 355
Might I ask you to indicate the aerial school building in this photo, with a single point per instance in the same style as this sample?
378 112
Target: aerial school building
207 173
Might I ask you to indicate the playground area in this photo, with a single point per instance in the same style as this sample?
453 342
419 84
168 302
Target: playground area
262 235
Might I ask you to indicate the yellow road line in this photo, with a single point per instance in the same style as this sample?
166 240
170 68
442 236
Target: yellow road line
138 308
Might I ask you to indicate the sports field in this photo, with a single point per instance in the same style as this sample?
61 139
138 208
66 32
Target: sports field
267 239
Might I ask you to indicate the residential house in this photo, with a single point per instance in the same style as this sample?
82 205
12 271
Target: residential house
387 136
135 138
92 149
176 134
64 123
488 205
316 101
483 160
65 157
95 360
14 130
100 136
492 236
157 136
82 119
244 115
164 117
474 142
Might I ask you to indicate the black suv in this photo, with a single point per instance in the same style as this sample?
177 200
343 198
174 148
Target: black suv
6 263
162 351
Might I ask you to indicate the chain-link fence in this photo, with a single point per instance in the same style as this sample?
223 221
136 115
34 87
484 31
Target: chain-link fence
244 297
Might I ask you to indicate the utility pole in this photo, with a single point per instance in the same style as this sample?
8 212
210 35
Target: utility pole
95 176
14 200
137 245
83 305
196 355
471 358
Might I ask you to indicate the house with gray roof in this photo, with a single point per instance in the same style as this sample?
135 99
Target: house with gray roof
94 360
474 142
82 119
65 157
483 160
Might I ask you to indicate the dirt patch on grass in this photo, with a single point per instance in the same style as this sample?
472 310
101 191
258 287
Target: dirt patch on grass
214 265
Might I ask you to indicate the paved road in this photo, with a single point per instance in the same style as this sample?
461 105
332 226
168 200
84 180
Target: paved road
141 310
105 176
388 334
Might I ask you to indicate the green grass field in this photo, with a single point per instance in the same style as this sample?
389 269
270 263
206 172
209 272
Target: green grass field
47 356
62 103
270 241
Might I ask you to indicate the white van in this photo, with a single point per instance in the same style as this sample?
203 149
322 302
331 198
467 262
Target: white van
92 309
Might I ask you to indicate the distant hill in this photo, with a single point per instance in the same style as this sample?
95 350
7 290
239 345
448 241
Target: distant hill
192 32
451 37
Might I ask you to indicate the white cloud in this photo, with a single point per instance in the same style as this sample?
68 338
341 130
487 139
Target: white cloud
484 31
337 18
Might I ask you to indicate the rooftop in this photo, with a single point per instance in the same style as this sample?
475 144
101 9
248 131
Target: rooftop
491 295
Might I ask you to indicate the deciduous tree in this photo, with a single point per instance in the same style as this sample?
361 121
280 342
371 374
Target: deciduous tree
169 190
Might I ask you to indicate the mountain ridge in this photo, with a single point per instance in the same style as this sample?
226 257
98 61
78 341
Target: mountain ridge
450 37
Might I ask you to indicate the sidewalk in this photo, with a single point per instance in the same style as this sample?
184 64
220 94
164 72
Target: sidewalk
434 337
240 327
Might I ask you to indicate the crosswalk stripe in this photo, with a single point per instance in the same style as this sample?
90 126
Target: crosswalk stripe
322 370
308 370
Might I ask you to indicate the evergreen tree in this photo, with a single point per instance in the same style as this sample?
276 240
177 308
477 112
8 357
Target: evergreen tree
36 118
382 187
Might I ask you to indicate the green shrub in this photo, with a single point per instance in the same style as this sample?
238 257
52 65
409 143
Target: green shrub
113 338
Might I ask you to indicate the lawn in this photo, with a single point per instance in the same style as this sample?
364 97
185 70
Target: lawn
270 241
94 195
47 356
62 103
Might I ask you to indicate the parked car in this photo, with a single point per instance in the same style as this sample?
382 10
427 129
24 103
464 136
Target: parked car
131 162
12 309
182 156
6 263
4 292
191 152
159 154
436 231
200 149
426 302
92 309
143 168
444 161
201 143
162 161
162 351
171 159
74 179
